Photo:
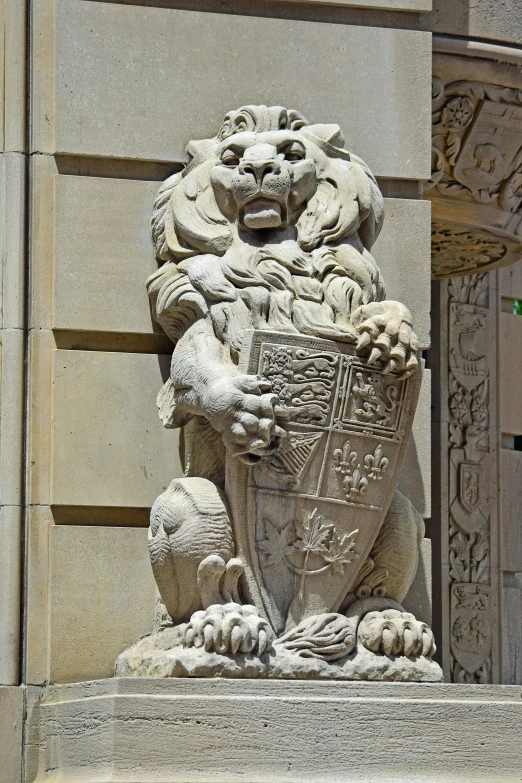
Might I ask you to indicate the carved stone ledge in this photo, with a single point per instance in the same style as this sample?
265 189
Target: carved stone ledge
180 730
476 183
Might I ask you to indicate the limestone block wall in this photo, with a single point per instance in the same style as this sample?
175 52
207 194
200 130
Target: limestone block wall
117 91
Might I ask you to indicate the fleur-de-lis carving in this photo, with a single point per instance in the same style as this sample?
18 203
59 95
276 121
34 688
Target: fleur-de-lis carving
354 484
376 464
344 459
345 463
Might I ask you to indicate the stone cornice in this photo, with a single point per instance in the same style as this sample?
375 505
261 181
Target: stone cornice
466 47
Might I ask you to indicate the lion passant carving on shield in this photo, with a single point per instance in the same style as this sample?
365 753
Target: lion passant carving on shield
286 548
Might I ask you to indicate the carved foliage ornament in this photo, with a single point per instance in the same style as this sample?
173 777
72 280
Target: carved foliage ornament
476 144
477 164
295 382
461 251
469 532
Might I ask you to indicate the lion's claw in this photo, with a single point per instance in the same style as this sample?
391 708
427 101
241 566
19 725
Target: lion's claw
396 633
385 329
229 628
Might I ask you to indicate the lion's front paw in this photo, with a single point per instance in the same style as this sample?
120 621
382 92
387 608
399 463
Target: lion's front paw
229 628
385 329
396 633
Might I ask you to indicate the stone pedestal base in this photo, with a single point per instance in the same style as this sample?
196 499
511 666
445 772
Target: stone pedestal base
224 731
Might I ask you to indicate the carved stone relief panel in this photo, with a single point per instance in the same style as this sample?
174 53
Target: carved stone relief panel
476 182
286 550
470 500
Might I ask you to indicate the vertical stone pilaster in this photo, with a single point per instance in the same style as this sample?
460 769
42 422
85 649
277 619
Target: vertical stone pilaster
469 495
13 162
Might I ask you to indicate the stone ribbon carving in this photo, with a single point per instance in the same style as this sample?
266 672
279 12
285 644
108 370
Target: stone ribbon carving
476 182
285 551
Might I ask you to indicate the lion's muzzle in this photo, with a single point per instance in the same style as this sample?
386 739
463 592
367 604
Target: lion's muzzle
261 185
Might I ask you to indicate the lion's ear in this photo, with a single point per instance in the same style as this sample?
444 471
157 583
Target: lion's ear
159 214
193 148
194 223
332 134
346 201
371 226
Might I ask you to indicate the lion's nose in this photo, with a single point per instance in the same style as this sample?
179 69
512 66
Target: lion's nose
258 169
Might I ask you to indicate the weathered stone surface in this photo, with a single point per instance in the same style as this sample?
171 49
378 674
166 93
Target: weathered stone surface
186 730
415 478
109 448
511 467
13 65
476 19
98 268
92 84
39 520
403 252
102 597
510 328
384 5
512 634
164 655
510 281
475 186
11 727
419 600
10 593
12 406
12 238
470 514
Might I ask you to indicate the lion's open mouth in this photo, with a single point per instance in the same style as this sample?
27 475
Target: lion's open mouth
262 213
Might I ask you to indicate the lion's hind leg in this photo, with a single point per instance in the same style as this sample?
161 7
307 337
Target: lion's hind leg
189 523
192 552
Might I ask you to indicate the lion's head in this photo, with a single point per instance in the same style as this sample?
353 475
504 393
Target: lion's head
266 170
269 226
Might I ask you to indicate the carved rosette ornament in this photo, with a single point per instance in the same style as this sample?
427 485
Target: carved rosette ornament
285 551
476 182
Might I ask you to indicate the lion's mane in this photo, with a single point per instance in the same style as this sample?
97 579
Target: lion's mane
311 290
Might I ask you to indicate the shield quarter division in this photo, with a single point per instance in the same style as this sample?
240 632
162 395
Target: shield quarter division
306 517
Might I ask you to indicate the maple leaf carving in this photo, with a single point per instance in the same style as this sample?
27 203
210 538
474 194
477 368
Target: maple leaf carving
313 536
340 551
311 533
276 544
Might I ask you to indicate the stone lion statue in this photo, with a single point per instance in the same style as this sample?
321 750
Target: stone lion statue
269 227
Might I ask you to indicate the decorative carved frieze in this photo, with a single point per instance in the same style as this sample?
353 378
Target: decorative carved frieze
472 477
459 251
476 182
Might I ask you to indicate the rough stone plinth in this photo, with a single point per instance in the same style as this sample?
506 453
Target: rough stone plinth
163 655
197 731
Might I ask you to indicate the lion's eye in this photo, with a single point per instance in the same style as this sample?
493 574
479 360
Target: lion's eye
294 152
229 158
